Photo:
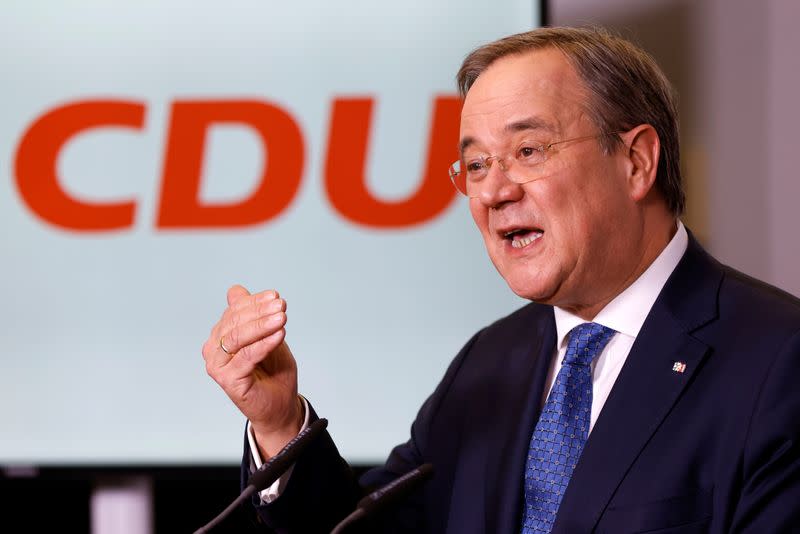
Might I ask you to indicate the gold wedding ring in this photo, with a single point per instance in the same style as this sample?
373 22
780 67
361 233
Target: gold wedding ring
222 346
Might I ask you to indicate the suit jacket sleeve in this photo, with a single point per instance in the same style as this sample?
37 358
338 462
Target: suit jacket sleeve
770 499
323 489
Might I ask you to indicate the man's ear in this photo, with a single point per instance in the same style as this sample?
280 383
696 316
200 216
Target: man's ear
642 148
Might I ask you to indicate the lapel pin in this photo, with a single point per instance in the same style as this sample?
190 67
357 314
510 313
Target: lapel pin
679 367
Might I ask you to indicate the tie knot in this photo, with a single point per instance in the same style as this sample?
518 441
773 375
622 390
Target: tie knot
586 341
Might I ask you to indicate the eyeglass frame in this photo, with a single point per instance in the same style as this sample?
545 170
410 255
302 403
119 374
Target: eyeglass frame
542 149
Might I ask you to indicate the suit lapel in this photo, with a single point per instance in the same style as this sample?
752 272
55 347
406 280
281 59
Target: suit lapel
517 402
645 390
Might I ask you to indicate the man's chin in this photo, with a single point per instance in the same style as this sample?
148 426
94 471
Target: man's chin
525 289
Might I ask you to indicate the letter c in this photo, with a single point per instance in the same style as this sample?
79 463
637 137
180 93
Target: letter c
36 165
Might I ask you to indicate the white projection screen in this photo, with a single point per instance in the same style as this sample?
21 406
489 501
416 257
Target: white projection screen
156 153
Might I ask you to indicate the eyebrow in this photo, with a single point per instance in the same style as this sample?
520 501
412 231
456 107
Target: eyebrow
530 123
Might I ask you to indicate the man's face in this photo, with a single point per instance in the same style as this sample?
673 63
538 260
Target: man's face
573 236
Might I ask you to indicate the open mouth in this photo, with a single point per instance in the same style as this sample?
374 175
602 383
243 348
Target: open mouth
522 237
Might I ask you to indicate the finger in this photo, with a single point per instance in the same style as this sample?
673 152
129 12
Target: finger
236 316
235 292
261 304
213 354
233 318
249 332
249 357
249 300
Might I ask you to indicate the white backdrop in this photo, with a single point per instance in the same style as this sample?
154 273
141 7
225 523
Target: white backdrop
102 329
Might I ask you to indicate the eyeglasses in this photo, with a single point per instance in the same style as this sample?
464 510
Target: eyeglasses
467 174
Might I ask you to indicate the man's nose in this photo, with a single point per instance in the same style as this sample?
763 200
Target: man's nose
497 187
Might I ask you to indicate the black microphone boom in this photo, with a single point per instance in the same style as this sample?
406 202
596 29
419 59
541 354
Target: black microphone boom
387 496
271 471
278 464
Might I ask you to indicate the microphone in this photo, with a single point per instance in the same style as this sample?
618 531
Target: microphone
271 471
387 495
278 464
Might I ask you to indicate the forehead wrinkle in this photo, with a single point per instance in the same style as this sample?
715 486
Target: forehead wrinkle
522 125
495 103
530 123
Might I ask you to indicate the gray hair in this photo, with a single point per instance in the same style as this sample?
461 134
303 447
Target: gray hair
626 87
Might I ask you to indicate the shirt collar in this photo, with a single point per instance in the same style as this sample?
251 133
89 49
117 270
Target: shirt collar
627 312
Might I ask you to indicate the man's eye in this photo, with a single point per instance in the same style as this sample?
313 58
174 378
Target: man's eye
528 151
475 166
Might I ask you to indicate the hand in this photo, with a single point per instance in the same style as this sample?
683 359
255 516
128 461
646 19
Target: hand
258 371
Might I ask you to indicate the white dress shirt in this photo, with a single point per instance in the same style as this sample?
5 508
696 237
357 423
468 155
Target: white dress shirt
625 314
273 492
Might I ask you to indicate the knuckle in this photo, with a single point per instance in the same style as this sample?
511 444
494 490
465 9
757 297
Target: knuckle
221 326
232 340
235 295
209 347
262 323
268 323
277 338
272 341
277 305
271 294
215 372
247 353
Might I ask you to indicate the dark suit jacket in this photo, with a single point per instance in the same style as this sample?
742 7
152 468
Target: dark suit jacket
715 448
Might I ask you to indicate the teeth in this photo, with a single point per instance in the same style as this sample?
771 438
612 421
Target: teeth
520 242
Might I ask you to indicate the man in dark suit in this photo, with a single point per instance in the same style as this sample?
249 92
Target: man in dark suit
647 388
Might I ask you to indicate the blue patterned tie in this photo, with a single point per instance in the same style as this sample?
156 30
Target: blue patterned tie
563 427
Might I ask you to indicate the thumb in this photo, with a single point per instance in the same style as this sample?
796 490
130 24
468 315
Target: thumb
235 293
